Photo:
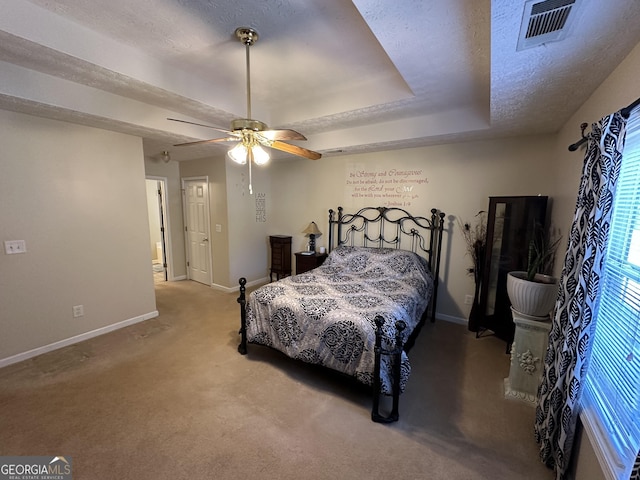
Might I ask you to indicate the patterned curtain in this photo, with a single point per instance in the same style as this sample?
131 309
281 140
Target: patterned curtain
571 330
635 471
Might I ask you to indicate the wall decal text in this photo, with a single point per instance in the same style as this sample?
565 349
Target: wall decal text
392 187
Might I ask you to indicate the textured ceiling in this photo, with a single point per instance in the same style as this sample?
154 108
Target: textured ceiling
353 76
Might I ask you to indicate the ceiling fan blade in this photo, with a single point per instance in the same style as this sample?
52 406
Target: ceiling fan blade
283 134
295 150
200 125
213 140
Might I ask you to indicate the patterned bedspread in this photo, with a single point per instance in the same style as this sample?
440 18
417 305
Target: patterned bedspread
326 316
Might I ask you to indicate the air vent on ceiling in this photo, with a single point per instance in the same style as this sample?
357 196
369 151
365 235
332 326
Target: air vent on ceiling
546 21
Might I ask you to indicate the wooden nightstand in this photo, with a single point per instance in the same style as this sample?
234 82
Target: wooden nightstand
280 256
304 263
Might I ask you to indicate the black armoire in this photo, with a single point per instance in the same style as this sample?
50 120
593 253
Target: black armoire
510 227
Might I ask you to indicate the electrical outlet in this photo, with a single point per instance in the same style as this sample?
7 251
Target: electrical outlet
468 299
15 246
78 311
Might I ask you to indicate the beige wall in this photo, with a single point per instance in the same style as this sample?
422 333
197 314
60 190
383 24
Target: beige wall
585 464
214 170
460 179
248 234
617 91
76 195
240 247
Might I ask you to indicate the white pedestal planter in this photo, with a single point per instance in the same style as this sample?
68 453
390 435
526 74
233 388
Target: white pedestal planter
532 298
527 357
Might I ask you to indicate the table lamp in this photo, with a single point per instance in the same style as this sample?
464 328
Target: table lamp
311 231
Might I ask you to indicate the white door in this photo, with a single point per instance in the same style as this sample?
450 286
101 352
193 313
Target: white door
196 195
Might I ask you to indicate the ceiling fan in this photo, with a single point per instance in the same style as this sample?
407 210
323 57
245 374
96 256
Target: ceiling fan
252 134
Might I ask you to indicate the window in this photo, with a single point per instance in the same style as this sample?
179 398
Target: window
612 393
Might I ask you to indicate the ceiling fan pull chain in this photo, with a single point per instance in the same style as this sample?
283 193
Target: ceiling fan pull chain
250 161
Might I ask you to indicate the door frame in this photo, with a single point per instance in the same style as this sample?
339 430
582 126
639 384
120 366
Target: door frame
165 223
205 179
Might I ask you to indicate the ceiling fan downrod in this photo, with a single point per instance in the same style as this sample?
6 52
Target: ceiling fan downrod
247 36
253 134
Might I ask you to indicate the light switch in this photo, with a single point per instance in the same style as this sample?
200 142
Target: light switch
218 227
15 246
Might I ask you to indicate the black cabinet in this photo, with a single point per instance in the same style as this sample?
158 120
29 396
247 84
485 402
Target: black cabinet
510 227
280 256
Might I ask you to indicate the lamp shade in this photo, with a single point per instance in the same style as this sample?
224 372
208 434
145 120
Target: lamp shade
312 229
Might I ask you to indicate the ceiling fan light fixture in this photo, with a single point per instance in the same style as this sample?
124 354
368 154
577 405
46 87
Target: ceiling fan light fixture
260 155
238 154
251 134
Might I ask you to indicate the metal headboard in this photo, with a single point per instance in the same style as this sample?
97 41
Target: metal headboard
383 227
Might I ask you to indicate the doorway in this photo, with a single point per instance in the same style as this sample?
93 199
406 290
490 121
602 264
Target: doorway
158 228
196 216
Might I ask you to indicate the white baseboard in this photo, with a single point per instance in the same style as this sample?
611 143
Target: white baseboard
452 319
253 283
4 362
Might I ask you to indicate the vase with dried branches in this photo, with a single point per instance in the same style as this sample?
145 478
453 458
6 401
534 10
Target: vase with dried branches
475 238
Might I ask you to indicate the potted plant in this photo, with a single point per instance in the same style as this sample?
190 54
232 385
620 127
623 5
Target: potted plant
533 292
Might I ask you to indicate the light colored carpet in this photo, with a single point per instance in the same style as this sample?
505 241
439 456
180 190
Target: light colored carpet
171 398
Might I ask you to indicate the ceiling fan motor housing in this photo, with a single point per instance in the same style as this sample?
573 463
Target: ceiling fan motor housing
248 124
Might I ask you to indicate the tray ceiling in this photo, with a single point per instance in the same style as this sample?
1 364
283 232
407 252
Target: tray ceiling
358 76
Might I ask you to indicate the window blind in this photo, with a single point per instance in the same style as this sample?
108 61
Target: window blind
613 377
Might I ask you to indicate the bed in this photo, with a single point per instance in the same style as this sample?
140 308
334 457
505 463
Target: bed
361 310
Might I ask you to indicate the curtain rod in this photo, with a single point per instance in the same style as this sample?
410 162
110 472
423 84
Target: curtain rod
624 112
627 110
